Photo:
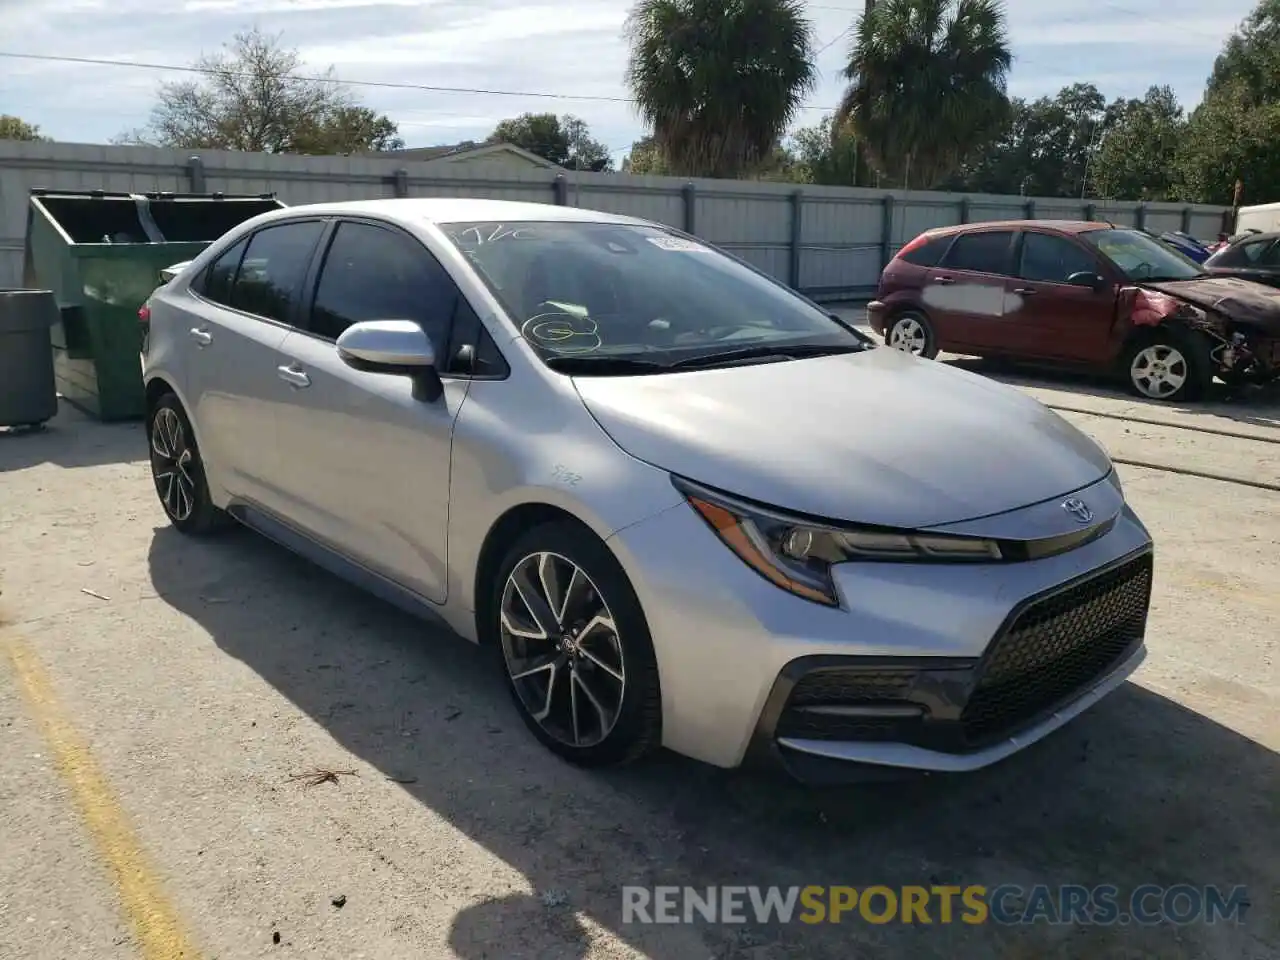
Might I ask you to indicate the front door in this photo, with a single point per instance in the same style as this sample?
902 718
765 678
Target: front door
965 293
1051 318
365 465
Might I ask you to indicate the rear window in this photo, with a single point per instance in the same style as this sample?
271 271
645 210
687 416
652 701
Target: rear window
928 253
986 252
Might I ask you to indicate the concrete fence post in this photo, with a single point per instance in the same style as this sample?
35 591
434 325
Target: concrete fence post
196 176
797 237
886 230
689 195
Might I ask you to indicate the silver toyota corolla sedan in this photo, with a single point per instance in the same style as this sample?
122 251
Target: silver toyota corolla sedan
681 504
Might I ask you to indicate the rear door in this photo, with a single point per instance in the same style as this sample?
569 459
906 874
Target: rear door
1049 317
243 309
964 295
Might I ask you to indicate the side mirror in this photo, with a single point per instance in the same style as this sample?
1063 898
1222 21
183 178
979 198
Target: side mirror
392 347
1087 278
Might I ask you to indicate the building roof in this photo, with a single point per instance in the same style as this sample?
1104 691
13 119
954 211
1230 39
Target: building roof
468 150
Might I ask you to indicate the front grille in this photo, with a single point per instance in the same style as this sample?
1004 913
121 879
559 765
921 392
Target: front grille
804 717
1057 647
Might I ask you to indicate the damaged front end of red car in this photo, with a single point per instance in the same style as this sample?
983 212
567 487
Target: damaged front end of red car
1244 332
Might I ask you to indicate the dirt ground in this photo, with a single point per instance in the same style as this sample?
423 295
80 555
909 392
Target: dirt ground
178 686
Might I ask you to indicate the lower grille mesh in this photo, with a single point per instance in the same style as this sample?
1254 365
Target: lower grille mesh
1058 646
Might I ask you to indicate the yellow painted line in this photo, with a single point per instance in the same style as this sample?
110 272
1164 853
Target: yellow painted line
156 927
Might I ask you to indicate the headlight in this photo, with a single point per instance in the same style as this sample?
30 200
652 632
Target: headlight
797 554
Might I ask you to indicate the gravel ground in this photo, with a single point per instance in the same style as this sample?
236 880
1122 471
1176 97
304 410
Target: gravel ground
202 676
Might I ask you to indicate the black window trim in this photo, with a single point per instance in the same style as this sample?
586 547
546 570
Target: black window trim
311 285
247 238
1010 264
1101 267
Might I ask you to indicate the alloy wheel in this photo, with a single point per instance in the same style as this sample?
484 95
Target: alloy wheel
1159 371
562 649
171 460
908 336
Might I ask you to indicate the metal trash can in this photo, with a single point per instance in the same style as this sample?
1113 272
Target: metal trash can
28 396
101 254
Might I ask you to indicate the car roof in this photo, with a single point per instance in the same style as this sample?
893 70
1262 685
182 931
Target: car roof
455 210
1060 226
1242 237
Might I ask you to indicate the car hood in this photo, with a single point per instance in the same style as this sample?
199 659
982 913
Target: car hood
878 437
1239 299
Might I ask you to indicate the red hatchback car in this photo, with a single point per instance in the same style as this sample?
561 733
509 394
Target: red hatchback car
1089 295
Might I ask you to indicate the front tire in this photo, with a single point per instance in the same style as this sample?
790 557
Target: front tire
178 472
1169 366
912 332
575 648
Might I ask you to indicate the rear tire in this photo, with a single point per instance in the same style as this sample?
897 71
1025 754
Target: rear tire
178 471
1169 365
912 332
572 641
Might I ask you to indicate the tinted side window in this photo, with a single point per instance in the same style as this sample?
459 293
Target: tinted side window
472 351
215 283
1049 259
373 273
270 279
928 254
982 252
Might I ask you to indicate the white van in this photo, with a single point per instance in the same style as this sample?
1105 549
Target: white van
1263 218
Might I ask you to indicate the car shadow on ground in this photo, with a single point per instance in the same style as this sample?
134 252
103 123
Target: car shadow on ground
1138 790
71 439
1259 406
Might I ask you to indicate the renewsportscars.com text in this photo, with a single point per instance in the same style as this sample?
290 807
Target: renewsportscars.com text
1104 904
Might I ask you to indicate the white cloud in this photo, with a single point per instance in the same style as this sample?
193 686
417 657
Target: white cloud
572 48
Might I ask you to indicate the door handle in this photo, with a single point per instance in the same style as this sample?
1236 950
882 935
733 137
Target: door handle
293 377
1026 291
201 336
943 280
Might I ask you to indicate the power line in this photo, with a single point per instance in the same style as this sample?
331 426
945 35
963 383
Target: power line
337 81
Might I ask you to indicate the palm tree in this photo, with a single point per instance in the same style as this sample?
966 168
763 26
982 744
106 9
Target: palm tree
719 81
927 82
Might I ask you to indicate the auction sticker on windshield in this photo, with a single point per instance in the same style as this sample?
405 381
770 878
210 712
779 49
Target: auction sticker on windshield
678 244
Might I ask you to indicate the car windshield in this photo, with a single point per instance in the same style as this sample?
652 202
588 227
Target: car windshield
1143 257
623 298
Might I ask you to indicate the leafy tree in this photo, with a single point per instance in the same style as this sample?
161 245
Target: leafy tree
13 128
565 141
927 81
255 96
1136 158
1045 148
1235 131
827 153
646 157
719 81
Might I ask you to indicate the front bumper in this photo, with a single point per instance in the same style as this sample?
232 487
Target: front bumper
925 667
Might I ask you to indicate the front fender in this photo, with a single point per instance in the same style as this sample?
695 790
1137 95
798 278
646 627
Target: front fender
510 449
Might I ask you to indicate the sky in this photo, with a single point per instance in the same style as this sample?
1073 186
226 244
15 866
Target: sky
570 49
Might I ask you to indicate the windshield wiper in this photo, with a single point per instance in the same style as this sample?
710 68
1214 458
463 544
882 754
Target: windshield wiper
604 366
794 351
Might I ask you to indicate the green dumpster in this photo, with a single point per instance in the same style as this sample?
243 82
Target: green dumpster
101 254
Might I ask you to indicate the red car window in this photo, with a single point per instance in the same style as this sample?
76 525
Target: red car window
986 252
1050 259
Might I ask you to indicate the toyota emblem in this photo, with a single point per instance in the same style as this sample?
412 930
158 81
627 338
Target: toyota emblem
1078 509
